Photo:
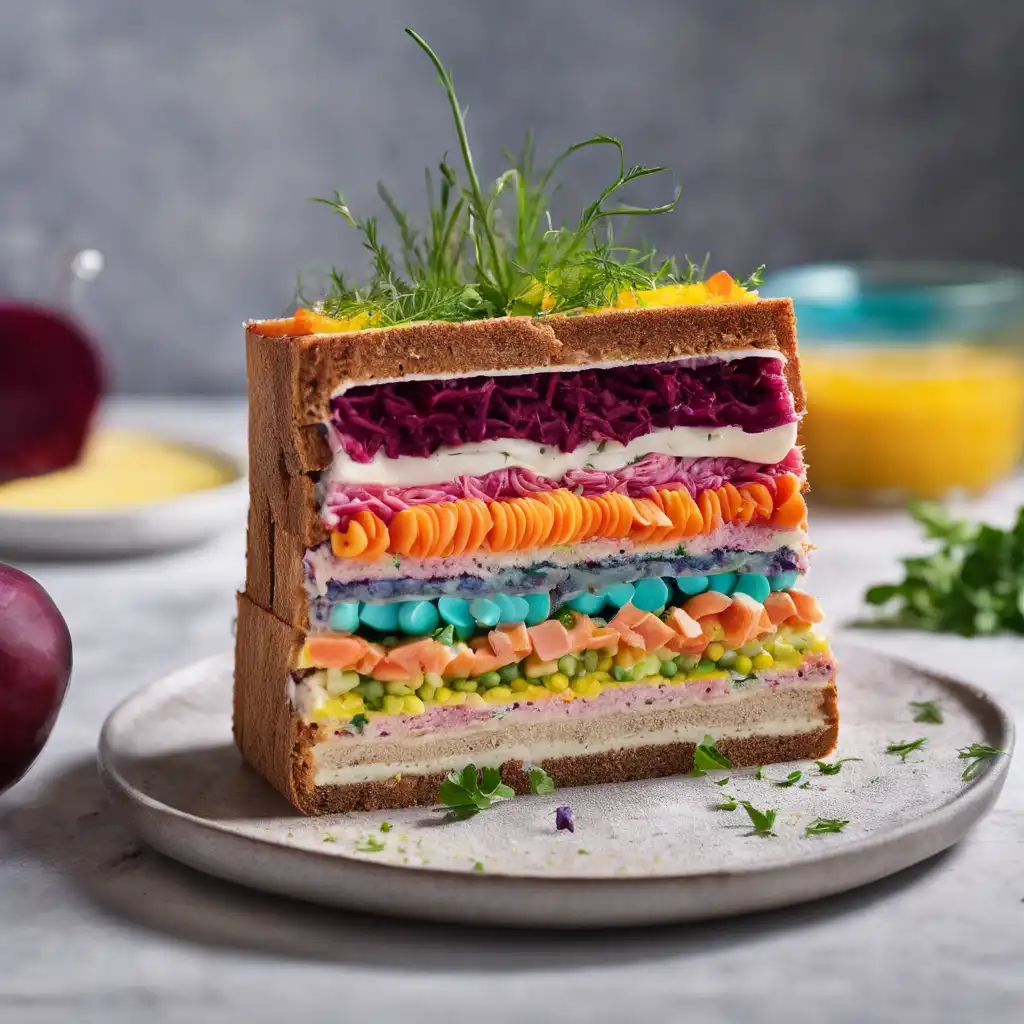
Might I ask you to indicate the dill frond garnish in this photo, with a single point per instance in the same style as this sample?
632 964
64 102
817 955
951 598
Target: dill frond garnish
492 249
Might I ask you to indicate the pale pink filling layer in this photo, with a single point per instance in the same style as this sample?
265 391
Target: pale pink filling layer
815 670
341 501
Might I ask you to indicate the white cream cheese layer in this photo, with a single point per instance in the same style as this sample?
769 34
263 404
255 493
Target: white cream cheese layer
331 773
724 356
765 448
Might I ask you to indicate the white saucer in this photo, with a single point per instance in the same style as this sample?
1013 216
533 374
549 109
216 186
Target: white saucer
655 851
140 529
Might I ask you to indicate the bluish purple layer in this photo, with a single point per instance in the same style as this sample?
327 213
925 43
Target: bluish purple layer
560 580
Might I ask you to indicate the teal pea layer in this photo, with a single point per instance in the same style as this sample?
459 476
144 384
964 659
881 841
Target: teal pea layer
467 617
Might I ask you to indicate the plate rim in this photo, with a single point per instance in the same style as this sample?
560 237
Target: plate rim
970 804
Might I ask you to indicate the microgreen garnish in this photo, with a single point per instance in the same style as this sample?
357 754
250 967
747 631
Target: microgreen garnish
468 792
730 803
583 853
540 781
806 785
905 747
825 768
330 839
386 826
708 758
491 249
974 583
790 780
755 280
478 866
721 782
763 821
927 711
356 723
563 819
759 772
977 754
824 826
372 845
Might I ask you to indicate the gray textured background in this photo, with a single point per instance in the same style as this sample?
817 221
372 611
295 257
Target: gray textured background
181 138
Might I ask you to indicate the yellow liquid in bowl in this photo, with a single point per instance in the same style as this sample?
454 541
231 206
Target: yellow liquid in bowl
119 470
892 424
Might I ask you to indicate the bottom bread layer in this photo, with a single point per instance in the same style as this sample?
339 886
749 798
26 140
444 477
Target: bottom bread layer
332 776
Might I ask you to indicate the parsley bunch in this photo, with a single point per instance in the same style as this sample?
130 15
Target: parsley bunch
973 584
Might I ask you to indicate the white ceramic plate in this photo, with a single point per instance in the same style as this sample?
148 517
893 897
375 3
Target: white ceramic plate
642 853
141 529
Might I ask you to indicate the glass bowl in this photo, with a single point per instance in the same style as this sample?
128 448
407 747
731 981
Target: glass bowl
914 376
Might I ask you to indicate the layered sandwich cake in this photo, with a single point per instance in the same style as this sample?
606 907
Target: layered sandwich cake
576 544
524 526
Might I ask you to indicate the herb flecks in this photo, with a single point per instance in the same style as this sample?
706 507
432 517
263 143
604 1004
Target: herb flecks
492 248
445 635
790 780
929 711
972 585
356 723
763 821
835 767
468 792
540 781
979 754
708 758
371 845
825 826
905 747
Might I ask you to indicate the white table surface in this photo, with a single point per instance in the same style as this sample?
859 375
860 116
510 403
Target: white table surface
95 927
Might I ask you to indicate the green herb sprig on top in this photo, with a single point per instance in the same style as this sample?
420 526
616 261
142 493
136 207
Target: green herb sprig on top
492 249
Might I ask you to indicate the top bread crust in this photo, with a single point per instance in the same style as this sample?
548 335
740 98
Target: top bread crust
316 366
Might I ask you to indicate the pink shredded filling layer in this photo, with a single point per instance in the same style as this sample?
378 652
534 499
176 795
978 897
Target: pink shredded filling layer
651 473
818 668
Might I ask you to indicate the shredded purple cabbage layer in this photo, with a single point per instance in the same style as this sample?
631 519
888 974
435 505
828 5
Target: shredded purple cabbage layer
564 409
342 501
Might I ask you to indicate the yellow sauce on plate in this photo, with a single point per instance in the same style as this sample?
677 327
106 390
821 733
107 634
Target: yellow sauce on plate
119 470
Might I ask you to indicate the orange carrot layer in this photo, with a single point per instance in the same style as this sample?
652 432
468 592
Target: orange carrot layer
467 525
